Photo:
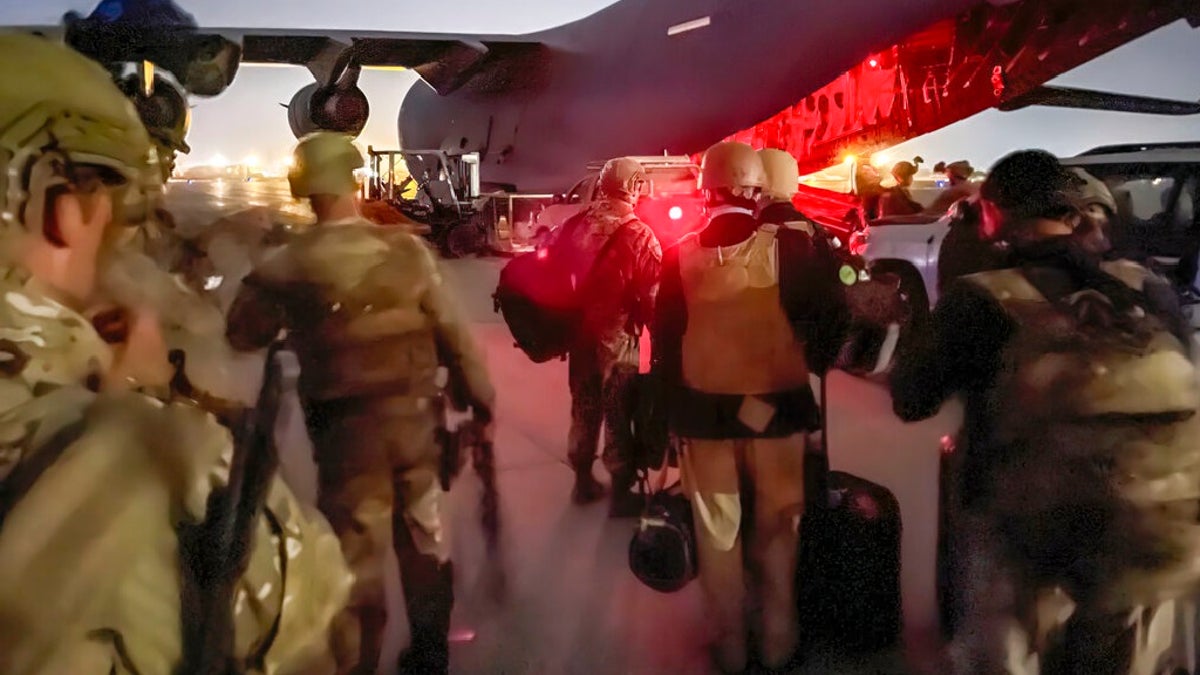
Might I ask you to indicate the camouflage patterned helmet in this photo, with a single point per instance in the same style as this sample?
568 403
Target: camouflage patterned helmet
732 166
324 163
621 178
60 111
783 175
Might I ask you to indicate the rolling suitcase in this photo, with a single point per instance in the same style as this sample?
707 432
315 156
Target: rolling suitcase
848 576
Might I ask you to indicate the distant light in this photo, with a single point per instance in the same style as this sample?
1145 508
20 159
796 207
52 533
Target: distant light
250 162
689 25
849 158
211 283
675 213
542 253
880 159
874 63
219 161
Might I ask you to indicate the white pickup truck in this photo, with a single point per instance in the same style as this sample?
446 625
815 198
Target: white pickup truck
671 205
1156 187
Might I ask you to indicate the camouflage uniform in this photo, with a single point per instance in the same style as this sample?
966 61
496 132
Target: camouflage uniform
617 297
1080 467
371 321
56 439
93 486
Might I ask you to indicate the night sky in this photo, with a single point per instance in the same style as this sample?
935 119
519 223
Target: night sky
246 121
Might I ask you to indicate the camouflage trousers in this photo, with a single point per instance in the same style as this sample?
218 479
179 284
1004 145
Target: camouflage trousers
603 393
1013 624
378 480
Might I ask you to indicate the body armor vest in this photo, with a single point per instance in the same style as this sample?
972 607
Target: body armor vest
1098 415
738 339
353 300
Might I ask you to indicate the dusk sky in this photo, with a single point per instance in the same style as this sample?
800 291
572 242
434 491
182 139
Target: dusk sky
247 121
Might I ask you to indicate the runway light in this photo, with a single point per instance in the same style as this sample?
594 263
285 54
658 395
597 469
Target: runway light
675 213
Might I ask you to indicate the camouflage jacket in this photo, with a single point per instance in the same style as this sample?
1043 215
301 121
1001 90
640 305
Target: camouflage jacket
619 277
108 477
43 343
367 312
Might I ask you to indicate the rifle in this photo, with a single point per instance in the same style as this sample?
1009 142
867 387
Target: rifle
215 552
469 440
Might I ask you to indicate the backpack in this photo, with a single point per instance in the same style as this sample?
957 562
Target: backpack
538 296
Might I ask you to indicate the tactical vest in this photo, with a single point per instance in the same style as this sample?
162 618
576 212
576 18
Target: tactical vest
738 339
1102 471
353 296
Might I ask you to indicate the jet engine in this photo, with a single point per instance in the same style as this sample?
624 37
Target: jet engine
340 107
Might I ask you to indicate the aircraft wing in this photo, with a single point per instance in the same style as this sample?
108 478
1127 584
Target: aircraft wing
445 62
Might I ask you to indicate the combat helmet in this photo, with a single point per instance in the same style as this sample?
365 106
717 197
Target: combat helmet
732 166
60 111
324 163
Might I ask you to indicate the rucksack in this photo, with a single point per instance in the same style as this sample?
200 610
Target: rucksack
539 299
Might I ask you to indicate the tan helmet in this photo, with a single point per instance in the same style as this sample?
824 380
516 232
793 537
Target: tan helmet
60 110
733 166
621 178
783 175
324 163
1088 190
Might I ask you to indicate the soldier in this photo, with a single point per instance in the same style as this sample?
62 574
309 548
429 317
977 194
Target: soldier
371 320
1079 455
1097 212
738 329
95 488
165 113
897 200
621 257
959 174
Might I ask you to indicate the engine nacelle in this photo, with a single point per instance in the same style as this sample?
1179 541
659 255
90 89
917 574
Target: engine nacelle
342 108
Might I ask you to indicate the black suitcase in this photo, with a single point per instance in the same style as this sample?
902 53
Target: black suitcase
848 576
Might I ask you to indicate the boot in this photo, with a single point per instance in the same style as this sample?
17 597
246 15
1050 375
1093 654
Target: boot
587 489
625 503
429 597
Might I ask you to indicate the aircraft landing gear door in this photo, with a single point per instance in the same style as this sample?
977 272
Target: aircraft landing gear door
868 441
